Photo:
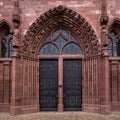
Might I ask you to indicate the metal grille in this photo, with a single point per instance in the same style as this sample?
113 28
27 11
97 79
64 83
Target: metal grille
48 85
72 76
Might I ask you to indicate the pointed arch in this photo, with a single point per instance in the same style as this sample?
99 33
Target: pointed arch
114 37
67 18
4 22
5 39
113 22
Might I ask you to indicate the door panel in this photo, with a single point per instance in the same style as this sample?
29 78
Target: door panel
48 85
72 82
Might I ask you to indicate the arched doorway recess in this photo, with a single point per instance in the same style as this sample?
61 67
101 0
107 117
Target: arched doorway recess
60 72
60 18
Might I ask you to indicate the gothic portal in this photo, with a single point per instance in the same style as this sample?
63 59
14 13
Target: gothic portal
65 58
60 72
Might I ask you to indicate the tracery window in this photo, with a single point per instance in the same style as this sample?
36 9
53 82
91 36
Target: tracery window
6 46
113 44
60 41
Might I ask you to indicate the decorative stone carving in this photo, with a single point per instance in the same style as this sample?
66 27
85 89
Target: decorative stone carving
16 12
16 38
103 22
104 17
61 16
16 24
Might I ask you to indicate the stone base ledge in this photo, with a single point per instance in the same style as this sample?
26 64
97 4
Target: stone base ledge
115 106
16 110
60 108
101 109
5 107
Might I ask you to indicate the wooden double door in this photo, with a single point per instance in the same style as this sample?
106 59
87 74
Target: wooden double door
60 85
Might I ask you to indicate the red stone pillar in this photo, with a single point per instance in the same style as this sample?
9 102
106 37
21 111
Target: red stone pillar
107 85
13 108
60 84
36 84
114 83
84 84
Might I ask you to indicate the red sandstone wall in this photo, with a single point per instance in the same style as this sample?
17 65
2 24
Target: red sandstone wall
5 83
115 83
95 85
32 9
6 8
89 9
113 11
25 94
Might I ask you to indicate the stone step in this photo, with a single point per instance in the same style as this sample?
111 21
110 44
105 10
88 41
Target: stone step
61 116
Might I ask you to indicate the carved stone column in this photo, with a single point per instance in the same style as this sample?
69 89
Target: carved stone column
16 25
105 106
13 108
107 85
15 98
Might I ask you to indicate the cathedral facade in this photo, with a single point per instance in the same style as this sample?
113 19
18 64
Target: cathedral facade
59 55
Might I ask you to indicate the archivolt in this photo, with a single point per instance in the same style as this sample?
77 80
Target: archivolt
61 17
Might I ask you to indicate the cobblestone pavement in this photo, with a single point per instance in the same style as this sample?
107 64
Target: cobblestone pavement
60 116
